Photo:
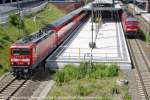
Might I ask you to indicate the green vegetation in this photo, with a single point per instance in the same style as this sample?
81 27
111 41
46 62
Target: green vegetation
141 35
94 81
16 21
12 31
85 70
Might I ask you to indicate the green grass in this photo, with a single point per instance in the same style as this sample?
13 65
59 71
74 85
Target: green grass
81 82
85 70
9 33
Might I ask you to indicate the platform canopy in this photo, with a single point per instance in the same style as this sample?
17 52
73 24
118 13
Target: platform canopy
105 5
141 1
104 1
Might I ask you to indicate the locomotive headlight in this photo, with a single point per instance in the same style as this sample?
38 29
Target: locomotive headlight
25 60
14 60
131 29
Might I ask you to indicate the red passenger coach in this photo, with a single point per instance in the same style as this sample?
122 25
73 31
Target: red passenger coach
130 24
27 53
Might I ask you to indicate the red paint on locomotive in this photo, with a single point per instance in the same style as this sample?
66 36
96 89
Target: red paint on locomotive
130 24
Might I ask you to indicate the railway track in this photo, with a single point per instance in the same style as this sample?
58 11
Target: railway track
142 68
9 86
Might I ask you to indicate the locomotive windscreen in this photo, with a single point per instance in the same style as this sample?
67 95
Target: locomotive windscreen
132 23
20 51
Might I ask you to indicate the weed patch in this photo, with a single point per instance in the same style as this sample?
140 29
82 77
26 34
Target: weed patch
85 70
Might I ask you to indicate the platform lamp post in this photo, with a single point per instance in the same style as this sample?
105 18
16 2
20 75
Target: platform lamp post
20 17
92 44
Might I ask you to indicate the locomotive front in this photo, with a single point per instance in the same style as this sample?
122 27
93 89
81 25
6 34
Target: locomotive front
20 59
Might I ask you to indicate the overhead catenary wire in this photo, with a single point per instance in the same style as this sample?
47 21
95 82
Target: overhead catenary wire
98 19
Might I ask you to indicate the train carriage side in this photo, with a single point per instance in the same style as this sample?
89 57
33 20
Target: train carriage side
43 48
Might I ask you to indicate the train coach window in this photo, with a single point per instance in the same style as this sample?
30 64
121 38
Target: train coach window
23 51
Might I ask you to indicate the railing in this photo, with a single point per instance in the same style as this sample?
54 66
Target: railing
84 54
24 12
28 11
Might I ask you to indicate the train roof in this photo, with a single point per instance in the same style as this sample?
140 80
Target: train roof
36 37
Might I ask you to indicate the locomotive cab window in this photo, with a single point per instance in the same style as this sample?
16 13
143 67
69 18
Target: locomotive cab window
132 23
23 51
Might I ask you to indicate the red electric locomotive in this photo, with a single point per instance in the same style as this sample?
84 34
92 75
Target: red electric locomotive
130 24
28 52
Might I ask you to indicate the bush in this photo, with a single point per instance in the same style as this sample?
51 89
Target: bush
1 43
69 72
112 70
85 70
1 65
6 37
141 35
16 21
82 70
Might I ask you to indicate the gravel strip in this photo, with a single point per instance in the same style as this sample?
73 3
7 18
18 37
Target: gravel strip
43 90
33 85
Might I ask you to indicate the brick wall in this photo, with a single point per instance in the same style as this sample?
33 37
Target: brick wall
67 6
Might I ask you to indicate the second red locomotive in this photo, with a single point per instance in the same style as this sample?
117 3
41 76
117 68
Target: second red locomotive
28 52
130 24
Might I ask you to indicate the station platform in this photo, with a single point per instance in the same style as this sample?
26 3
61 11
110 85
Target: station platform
110 41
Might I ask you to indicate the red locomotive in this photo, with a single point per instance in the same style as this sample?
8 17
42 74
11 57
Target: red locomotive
130 24
28 52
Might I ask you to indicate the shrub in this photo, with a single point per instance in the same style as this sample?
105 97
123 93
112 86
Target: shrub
112 70
6 37
1 66
1 43
59 77
66 74
82 70
141 34
85 70
16 21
